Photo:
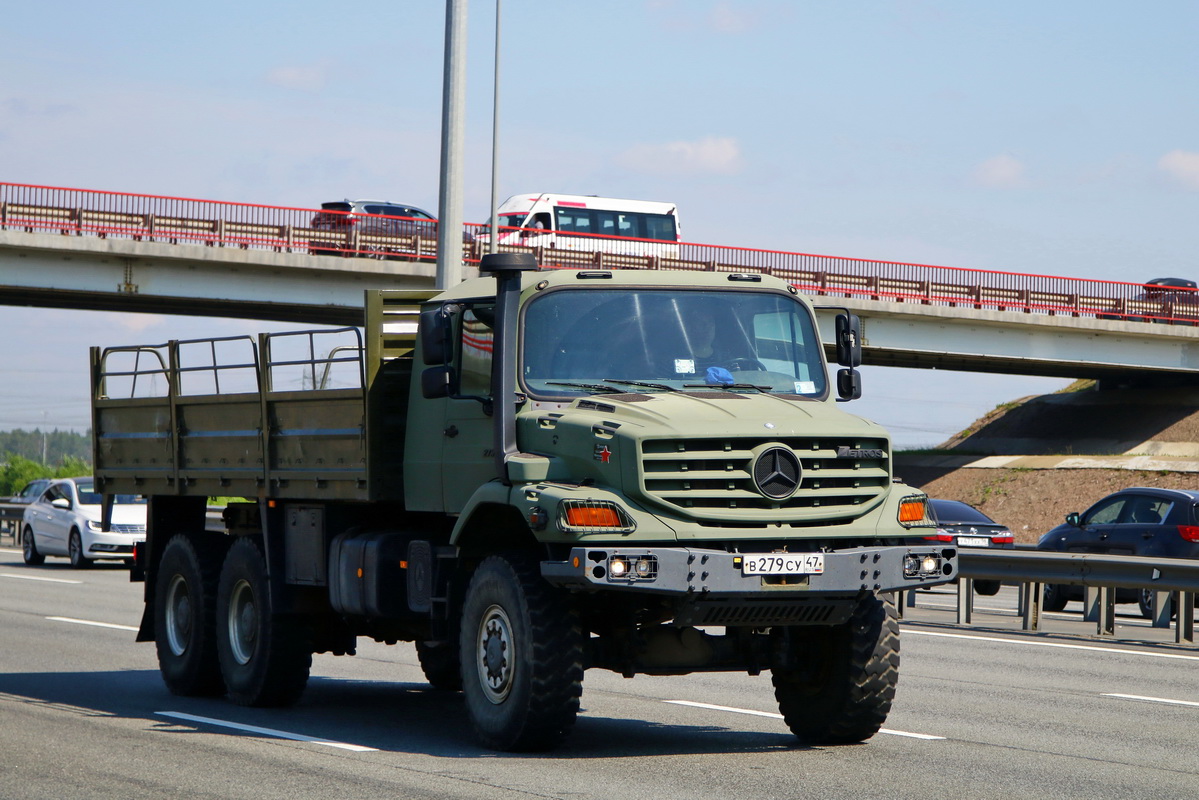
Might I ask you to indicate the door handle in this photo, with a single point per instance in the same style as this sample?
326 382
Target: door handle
451 431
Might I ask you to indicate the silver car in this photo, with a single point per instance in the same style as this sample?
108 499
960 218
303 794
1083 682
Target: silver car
343 219
64 520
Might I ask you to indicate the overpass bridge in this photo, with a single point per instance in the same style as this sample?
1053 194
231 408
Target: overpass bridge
114 251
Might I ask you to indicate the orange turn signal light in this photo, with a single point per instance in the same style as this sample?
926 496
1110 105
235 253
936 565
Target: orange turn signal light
592 517
911 509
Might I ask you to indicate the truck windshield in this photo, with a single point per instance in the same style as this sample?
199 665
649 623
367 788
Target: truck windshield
576 341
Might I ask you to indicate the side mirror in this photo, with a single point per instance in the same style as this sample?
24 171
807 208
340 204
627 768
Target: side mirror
61 502
849 340
849 384
435 333
436 382
1073 519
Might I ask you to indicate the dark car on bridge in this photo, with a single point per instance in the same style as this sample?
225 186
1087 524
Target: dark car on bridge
1168 300
966 526
1140 521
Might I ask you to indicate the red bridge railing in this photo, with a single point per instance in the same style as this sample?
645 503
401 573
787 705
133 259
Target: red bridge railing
175 220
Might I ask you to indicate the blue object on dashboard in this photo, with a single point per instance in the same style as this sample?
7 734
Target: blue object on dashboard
719 375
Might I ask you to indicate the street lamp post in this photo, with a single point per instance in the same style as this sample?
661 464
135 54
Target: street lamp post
449 212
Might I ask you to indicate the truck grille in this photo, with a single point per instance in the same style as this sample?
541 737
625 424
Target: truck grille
714 477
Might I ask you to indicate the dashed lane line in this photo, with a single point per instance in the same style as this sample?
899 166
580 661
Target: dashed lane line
1061 645
772 715
295 737
36 578
1142 698
93 623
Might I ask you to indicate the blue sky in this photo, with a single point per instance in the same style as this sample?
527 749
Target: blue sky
1044 137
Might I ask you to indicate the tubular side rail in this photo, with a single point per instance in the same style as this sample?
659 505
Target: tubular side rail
1101 574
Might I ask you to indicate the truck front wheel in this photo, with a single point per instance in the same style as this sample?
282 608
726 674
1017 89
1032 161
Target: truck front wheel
840 690
184 615
264 657
521 649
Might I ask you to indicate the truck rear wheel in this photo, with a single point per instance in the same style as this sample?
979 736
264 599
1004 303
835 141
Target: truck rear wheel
184 617
522 656
843 690
264 657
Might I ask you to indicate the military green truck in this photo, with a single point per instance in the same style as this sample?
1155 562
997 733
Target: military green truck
531 474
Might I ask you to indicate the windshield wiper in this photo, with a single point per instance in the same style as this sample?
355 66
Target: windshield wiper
727 386
599 387
646 384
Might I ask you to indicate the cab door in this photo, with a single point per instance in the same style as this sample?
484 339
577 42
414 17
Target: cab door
468 447
449 448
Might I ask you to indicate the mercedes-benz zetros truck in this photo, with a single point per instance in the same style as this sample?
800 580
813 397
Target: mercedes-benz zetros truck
532 474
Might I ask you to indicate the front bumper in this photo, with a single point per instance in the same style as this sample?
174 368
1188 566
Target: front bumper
693 571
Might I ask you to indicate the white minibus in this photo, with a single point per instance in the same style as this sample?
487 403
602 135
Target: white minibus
586 222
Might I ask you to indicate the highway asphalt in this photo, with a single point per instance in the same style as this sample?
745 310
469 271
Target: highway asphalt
982 712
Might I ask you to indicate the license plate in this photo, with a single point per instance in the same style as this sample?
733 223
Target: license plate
783 564
973 541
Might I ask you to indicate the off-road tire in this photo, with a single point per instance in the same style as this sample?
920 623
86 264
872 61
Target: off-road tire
264 657
842 691
185 616
1053 598
521 646
75 551
440 665
29 548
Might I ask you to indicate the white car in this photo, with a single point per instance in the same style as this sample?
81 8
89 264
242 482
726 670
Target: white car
64 520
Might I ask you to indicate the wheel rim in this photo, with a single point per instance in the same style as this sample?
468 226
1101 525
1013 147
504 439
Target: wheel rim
495 662
179 615
243 622
76 549
27 543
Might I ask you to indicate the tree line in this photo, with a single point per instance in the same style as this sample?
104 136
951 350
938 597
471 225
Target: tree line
28 455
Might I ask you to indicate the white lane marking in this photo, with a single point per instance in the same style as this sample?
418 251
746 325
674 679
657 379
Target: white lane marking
36 578
1153 699
1117 650
298 737
1122 619
732 710
92 623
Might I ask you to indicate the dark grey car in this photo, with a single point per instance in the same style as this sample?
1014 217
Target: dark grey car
1140 521
966 526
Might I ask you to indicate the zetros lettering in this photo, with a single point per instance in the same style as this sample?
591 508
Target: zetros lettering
849 452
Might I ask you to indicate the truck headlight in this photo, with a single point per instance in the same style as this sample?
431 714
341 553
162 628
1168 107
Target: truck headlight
641 567
921 565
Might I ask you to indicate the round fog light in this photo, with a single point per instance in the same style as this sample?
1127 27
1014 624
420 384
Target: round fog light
643 567
929 564
617 567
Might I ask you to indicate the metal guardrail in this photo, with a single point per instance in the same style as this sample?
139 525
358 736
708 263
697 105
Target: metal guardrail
1100 574
81 212
11 515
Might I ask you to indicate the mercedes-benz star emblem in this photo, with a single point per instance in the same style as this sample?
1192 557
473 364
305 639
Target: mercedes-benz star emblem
777 472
